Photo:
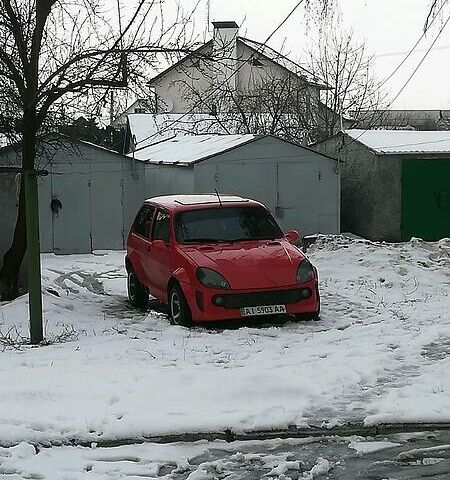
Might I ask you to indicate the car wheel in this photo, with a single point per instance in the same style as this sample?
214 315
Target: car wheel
136 292
180 313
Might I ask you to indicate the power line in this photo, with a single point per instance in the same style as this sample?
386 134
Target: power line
409 53
408 79
257 51
419 50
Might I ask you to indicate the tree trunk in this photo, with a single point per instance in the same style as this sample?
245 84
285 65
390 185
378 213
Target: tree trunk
12 259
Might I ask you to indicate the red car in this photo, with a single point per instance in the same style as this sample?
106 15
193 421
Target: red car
212 257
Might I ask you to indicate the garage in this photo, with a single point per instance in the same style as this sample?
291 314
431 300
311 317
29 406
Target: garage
300 186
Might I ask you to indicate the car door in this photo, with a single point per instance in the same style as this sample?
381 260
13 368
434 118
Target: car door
139 242
158 260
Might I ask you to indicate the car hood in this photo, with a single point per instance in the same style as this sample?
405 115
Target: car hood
250 264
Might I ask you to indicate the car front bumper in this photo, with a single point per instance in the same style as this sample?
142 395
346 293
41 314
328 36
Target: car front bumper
208 304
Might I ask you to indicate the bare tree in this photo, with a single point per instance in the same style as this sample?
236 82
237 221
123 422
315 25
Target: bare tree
346 67
58 57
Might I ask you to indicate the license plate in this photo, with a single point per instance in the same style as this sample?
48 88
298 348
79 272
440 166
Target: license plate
263 310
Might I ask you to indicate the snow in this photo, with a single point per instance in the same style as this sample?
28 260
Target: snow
402 141
371 447
147 128
322 467
189 149
197 199
380 353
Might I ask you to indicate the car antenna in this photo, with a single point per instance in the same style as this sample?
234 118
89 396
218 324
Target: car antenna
218 196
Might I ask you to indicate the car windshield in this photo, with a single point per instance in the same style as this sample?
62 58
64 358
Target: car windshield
225 224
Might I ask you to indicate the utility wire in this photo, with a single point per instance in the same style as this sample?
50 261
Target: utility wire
412 48
408 79
210 94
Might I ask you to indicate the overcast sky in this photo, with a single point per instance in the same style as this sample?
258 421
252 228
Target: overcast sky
389 27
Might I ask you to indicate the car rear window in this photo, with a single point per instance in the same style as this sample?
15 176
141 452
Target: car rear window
225 224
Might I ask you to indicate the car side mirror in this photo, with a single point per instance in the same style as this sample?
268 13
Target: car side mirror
291 236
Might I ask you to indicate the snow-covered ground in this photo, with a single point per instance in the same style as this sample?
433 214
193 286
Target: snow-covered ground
404 456
380 353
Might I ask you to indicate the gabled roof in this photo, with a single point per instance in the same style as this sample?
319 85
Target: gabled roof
262 50
67 139
147 129
194 54
402 141
188 149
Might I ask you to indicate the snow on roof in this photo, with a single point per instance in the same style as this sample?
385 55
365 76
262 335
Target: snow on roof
196 199
285 62
403 141
147 129
189 148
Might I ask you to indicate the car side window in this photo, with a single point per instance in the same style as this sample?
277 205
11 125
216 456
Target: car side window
143 221
161 227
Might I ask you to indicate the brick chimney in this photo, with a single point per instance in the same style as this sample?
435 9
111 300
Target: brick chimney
224 50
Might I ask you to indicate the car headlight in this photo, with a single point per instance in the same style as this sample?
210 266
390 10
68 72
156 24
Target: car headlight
305 272
211 278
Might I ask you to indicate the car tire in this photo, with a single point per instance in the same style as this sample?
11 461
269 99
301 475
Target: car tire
180 313
137 295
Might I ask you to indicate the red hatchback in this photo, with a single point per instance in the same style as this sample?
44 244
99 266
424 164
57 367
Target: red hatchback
217 258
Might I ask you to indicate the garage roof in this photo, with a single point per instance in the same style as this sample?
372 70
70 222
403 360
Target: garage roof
188 149
402 141
147 129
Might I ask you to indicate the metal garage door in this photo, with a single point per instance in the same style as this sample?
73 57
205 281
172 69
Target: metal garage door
425 199
248 180
298 203
106 192
71 223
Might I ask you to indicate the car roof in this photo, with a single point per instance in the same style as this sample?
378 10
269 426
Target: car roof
186 202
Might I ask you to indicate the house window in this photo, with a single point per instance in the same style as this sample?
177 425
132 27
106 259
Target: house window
139 110
214 110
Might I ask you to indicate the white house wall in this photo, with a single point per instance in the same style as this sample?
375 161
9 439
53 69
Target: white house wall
176 83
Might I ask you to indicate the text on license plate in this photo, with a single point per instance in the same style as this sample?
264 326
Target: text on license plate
263 310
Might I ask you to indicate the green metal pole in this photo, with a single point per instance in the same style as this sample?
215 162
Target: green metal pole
33 255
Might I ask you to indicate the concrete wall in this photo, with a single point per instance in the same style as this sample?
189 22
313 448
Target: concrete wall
299 186
371 189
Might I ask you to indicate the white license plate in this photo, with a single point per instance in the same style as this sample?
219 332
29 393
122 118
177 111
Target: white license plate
263 310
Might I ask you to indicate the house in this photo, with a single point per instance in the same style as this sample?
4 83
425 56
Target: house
395 183
86 202
139 106
227 61
231 77
300 186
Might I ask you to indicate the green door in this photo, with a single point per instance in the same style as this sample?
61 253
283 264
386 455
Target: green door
425 198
